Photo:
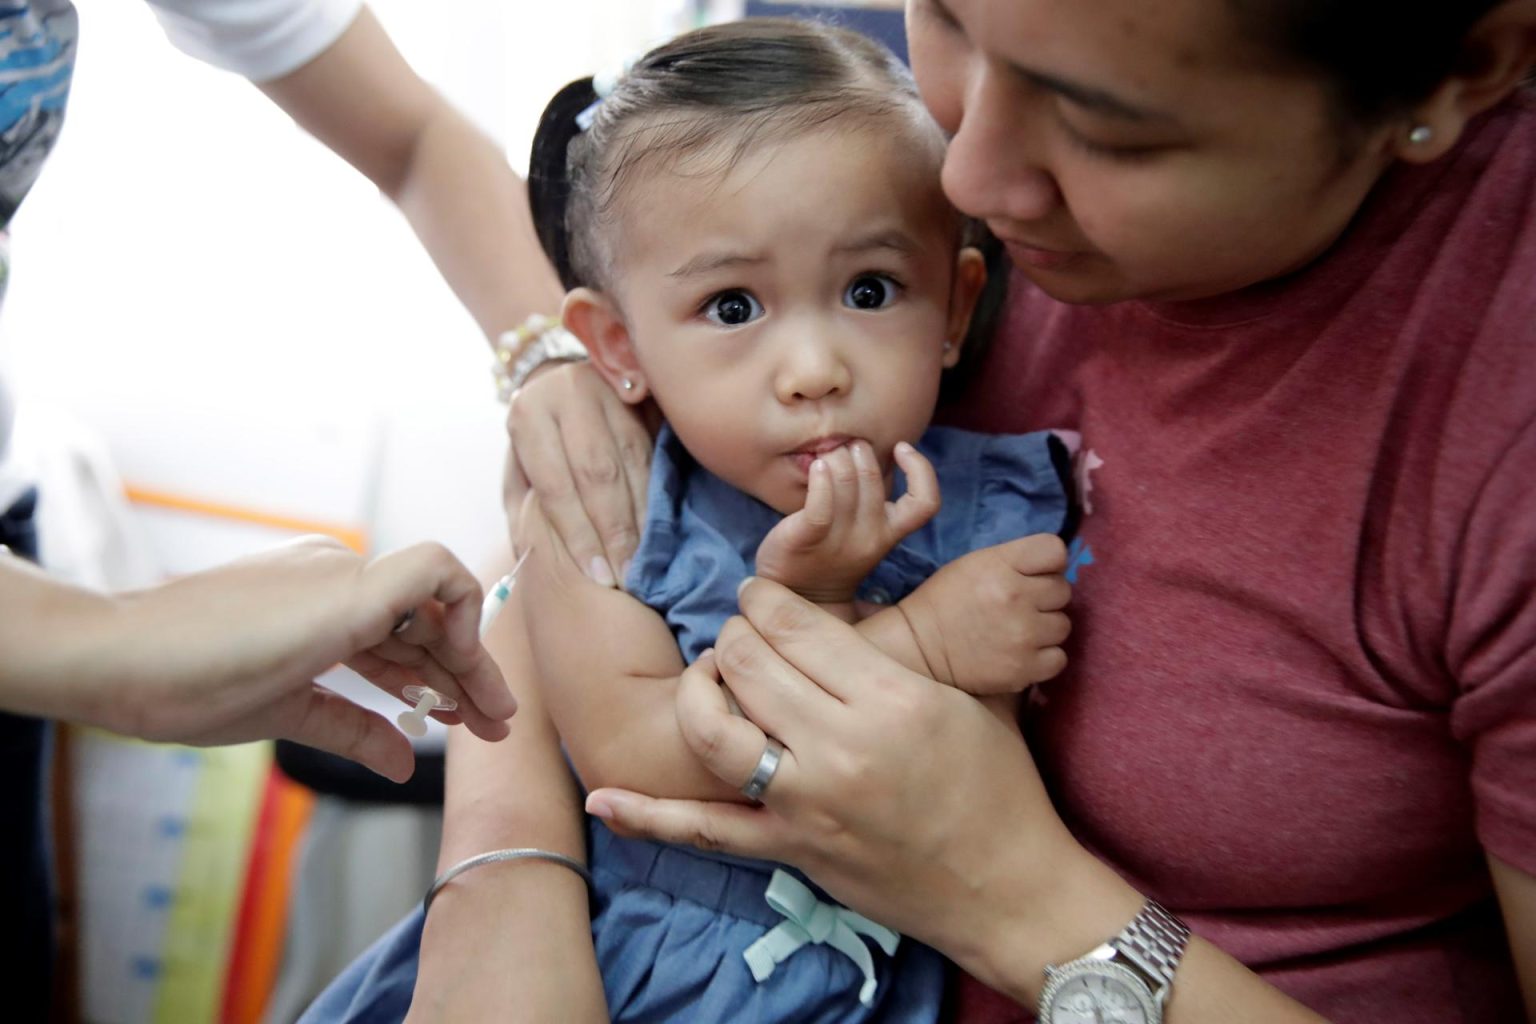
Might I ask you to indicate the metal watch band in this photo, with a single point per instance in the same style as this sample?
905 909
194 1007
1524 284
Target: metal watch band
554 344
1154 941
517 358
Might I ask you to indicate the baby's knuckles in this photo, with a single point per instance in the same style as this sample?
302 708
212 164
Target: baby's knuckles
998 585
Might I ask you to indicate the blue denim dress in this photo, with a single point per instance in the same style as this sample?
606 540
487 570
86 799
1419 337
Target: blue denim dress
672 926
675 928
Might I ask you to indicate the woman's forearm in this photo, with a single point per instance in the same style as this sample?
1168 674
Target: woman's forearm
1085 905
515 793
511 938
55 648
471 213
468 207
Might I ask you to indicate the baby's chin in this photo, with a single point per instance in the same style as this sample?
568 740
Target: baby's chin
784 501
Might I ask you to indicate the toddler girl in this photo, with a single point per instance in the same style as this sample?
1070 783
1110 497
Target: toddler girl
752 231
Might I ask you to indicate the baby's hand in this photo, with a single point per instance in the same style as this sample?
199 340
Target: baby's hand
824 551
991 621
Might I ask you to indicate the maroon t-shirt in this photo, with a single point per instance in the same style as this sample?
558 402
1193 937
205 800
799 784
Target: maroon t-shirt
1301 704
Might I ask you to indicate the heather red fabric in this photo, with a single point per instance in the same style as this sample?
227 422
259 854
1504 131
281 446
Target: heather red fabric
1302 698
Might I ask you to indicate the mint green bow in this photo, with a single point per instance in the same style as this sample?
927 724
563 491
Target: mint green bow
808 920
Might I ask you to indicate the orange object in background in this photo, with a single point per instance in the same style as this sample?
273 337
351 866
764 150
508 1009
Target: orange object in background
352 537
257 950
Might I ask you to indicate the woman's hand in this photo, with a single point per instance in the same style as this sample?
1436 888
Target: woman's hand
229 655
910 803
587 457
902 797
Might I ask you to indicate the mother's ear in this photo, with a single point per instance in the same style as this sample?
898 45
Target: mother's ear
1497 57
598 324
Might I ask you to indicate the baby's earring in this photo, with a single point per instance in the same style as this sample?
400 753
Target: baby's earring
949 346
627 384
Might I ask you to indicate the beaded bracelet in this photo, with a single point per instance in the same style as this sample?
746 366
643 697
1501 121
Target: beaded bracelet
539 340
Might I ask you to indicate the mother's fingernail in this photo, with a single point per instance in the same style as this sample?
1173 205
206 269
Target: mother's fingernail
743 585
600 571
600 806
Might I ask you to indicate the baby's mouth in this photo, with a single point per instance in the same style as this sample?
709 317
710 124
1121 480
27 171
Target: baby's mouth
822 445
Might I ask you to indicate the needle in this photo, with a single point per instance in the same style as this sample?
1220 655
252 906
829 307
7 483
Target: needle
428 700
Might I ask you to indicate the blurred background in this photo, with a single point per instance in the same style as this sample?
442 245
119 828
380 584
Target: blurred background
220 337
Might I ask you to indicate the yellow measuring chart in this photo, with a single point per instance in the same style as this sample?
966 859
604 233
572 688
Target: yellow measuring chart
164 845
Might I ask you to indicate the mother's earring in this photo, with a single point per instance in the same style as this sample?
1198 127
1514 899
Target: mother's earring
1420 134
627 384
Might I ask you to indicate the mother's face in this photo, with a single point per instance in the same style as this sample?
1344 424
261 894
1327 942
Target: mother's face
1126 149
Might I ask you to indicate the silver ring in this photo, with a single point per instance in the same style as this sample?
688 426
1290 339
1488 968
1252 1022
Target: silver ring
763 774
403 623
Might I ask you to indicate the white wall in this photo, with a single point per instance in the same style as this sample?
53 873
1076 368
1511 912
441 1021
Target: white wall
240 313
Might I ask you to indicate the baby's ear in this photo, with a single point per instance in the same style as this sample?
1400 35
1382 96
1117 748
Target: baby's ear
598 324
970 278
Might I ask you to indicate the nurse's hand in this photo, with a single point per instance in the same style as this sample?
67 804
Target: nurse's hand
587 457
229 655
905 799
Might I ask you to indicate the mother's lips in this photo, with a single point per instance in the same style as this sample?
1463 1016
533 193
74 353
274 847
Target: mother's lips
1033 256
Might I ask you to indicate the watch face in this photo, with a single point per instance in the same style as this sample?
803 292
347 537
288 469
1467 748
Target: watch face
1097 992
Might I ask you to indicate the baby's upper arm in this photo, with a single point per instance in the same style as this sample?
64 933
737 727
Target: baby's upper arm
594 649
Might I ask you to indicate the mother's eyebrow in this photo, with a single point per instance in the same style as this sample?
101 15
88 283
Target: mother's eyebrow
1091 98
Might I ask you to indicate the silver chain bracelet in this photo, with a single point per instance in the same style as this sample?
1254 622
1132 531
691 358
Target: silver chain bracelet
521 853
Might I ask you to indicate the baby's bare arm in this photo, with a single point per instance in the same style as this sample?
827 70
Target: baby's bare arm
608 668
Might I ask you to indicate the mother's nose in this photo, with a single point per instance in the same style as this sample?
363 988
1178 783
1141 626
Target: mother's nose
993 168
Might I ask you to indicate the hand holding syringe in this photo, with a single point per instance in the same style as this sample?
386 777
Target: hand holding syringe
427 700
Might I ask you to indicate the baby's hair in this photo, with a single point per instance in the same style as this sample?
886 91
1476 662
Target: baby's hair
740 83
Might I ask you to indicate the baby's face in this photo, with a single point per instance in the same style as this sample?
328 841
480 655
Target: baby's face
797 301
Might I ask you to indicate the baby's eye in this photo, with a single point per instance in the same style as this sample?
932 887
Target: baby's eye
732 309
871 291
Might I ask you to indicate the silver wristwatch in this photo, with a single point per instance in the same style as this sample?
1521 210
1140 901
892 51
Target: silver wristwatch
1124 981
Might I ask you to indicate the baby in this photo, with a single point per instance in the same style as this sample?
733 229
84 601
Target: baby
757 249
